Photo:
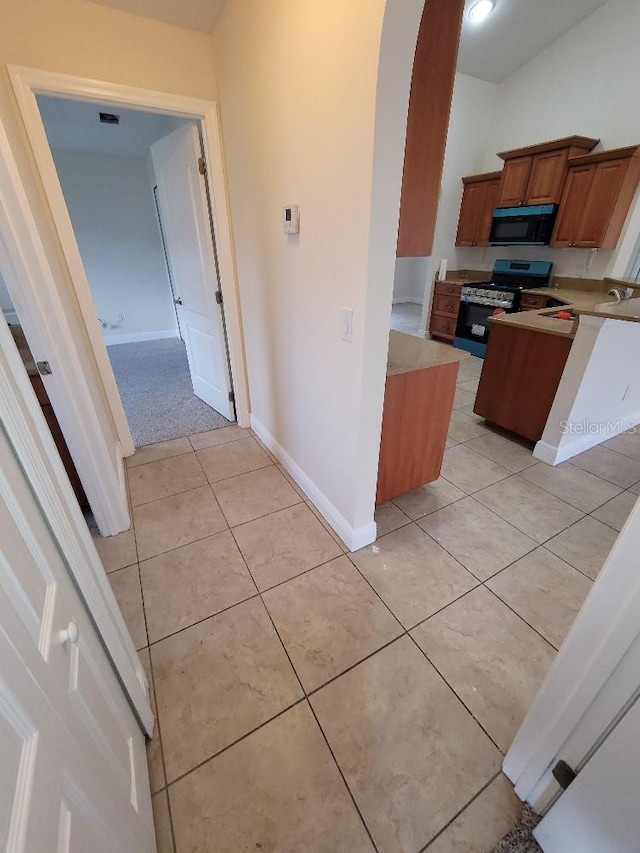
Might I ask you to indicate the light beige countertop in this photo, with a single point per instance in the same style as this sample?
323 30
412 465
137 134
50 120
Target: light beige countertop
408 353
579 298
538 321
463 280
628 309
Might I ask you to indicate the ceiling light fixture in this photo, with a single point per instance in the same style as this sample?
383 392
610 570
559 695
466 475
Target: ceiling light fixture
481 10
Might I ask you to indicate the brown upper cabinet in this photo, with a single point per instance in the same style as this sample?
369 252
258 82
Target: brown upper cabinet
536 174
596 199
479 198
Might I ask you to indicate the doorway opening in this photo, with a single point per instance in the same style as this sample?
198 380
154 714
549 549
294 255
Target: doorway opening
33 369
132 183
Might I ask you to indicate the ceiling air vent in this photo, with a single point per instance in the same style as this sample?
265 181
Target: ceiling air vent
109 118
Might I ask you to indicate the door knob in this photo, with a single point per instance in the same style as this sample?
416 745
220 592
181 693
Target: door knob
178 301
70 634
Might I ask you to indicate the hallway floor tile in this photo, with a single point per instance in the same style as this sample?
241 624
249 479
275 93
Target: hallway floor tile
312 699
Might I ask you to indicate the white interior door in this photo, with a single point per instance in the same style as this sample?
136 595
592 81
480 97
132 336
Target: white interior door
598 813
73 771
184 210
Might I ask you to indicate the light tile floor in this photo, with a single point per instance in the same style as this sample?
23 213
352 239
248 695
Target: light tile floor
310 699
407 317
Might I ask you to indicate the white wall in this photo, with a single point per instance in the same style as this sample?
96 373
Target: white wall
307 137
586 82
112 211
473 108
410 279
599 393
95 42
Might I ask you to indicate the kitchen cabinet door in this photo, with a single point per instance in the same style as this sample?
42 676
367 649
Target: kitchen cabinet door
572 206
547 178
471 213
596 199
476 211
514 181
605 187
491 192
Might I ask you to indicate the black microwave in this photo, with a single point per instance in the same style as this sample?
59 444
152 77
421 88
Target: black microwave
523 226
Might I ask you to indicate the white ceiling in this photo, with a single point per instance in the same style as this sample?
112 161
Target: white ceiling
76 126
193 14
515 32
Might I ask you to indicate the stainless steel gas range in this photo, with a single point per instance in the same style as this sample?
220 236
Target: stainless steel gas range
501 294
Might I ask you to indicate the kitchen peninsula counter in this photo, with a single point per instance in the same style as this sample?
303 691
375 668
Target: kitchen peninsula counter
418 400
409 352
628 309
576 301
578 298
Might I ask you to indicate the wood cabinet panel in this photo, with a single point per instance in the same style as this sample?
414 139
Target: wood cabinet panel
532 301
492 192
606 185
520 376
473 198
536 174
548 173
476 210
598 193
427 124
444 304
572 205
415 421
514 181
443 327
444 310
448 287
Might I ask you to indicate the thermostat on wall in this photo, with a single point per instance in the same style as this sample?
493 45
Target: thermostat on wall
291 219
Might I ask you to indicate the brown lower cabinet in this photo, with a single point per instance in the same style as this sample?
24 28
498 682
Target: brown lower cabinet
444 310
532 301
520 376
415 421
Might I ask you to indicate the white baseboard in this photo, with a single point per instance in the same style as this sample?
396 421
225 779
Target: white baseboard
136 337
354 538
555 455
403 300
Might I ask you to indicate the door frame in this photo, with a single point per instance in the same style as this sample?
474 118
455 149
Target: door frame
31 283
29 82
28 433
592 681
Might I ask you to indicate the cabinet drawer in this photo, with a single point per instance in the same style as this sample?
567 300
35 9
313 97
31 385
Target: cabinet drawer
532 301
442 326
447 288
444 304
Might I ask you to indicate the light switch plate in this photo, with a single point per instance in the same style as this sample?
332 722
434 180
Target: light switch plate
347 324
291 219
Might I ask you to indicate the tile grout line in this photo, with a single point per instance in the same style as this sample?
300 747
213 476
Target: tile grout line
406 632
484 582
204 473
256 594
306 698
200 538
457 815
346 784
233 743
153 687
